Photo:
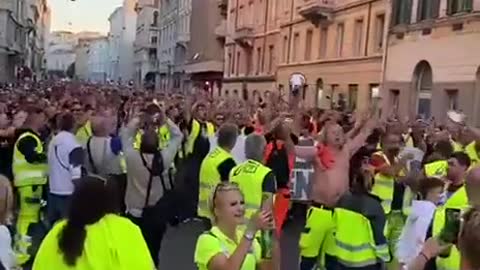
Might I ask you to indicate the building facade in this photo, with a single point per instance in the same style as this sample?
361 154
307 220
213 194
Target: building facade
335 46
174 24
24 25
433 59
37 30
97 60
60 53
146 43
204 59
251 48
121 42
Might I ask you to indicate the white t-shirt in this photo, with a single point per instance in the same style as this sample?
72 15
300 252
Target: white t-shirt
414 233
7 257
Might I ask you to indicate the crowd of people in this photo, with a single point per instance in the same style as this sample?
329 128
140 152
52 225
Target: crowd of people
93 176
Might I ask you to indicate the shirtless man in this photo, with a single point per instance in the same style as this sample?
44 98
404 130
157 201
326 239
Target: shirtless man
331 180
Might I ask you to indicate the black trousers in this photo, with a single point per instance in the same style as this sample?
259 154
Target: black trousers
190 174
153 232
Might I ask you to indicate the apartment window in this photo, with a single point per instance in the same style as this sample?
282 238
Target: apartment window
459 6
238 63
395 100
323 42
358 37
259 60
271 51
427 9
379 31
340 35
333 93
154 40
232 65
452 99
248 62
352 96
240 17
285 49
228 64
308 45
296 40
155 18
374 91
402 11
251 13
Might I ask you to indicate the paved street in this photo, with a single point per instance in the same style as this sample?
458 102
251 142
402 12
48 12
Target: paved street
179 244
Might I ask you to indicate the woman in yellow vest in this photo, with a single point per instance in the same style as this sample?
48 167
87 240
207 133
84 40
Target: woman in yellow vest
226 246
94 236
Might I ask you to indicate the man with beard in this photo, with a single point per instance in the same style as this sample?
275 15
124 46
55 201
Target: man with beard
331 160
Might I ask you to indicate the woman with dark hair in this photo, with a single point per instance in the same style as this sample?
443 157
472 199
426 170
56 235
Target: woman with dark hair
93 236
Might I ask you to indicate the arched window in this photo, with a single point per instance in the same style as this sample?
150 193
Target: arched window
227 93
319 91
155 18
423 87
235 93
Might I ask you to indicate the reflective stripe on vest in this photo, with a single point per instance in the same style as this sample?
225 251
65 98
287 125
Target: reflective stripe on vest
384 188
195 132
209 178
436 169
356 248
25 173
250 176
458 200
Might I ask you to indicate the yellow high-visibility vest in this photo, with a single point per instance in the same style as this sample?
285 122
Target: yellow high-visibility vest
163 138
84 133
384 188
25 173
356 247
250 176
210 178
102 249
436 169
458 200
195 132
472 153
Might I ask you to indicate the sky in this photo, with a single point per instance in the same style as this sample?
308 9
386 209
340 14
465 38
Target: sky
82 15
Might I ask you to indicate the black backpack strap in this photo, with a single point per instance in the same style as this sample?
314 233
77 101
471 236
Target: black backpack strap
90 158
150 180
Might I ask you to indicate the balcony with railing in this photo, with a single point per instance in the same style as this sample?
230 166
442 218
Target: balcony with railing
244 35
317 10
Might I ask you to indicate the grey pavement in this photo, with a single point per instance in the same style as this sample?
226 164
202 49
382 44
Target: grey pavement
179 244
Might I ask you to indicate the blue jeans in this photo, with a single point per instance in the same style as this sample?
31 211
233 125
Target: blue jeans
57 207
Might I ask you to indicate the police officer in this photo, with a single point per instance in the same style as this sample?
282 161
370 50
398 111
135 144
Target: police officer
30 176
215 168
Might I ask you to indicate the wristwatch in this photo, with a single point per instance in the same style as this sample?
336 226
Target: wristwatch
249 235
